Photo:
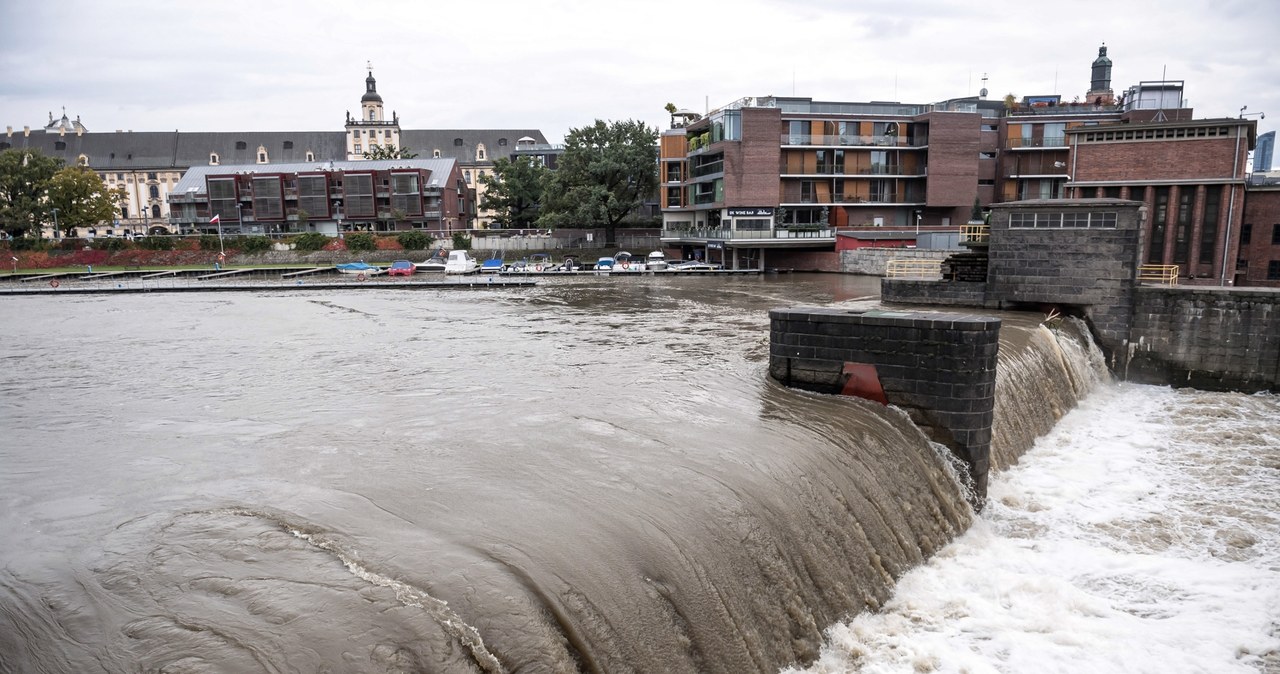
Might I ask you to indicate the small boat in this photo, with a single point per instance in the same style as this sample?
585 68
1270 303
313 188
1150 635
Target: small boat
361 267
493 264
540 262
656 260
461 262
623 261
604 265
434 264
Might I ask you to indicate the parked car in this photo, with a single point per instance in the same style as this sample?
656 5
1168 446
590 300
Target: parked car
402 268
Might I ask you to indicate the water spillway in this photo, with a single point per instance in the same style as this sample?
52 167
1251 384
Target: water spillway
589 476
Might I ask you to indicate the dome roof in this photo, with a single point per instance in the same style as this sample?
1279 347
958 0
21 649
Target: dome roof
370 90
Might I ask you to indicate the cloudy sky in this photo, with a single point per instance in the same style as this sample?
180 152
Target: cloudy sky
274 65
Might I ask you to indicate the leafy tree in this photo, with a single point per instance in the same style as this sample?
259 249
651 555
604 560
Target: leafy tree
388 152
310 242
461 241
514 191
606 172
81 197
24 182
975 213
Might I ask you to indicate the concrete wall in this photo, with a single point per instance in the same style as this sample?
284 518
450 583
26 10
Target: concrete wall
940 368
874 261
939 293
1207 338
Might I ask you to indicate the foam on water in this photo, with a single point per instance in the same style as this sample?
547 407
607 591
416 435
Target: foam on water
1140 535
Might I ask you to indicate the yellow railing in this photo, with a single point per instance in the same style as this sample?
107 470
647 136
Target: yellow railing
975 233
930 269
1166 274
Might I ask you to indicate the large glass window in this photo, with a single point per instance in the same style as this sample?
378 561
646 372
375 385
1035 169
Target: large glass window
222 197
1055 134
358 195
1155 255
313 195
1209 224
268 198
406 197
1182 231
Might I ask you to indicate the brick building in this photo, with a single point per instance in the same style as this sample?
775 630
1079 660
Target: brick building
1259 258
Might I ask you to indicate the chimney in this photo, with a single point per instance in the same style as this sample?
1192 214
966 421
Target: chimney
26 131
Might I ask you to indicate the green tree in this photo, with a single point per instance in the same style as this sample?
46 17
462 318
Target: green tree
388 152
24 184
81 197
514 191
414 239
606 172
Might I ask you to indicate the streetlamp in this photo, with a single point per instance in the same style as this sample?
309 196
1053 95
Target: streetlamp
337 214
918 217
55 224
15 265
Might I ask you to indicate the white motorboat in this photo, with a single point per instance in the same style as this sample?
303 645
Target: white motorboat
461 262
434 264
656 261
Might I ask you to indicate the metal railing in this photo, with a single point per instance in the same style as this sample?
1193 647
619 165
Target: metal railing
975 233
1164 274
757 234
847 140
921 269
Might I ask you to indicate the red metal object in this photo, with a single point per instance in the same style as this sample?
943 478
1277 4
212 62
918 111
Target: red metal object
863 381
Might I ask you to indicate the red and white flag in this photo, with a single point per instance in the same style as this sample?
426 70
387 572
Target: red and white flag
215 220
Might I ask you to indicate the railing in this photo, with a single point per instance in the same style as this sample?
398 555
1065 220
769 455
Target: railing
1165 274
922 269
849 140
1051 141
724 233
975 233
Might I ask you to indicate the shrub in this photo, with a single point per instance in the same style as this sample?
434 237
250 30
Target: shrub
24 243
461 241
361 241
70 244
161 243
414 240
111 243
207 242
310 242
253 244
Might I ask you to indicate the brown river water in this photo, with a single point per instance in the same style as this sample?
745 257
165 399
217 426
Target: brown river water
595 475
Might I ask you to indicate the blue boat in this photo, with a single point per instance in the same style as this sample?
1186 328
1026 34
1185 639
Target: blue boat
361 267
493 264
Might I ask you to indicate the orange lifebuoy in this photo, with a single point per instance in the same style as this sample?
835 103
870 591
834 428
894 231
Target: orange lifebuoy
53 283
360 277
538 268
626 265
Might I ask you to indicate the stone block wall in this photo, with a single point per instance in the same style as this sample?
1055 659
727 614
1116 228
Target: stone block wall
1208 338
940 368
940 293
875 261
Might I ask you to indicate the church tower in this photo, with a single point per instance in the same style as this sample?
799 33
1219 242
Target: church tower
371 130
1100 85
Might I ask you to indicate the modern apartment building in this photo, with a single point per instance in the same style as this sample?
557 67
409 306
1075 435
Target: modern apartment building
790 179
340 196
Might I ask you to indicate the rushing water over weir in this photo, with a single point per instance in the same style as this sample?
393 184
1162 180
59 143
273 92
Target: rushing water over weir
593 475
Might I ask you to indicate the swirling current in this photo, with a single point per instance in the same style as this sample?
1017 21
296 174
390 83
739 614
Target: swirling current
592 475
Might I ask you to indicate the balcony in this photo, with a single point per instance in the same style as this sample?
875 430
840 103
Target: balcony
848 140
893 170
1051 142
809 233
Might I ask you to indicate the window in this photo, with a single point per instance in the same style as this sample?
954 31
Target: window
1273 270
213 158
155 192
241 145
435 154
288 145
155 210
386 134
1209 224
986 155
371 113
59 145
262 157
356 133
151 176
466 175
480 154
457 142
1275 235
359 148
406 195
502 142
1155 254
82 160
311 156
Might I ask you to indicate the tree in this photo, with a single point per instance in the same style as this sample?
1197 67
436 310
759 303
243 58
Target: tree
388 152
82 199
24 182
514 191
975 213
606 172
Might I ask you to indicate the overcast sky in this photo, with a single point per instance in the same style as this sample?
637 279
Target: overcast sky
276 65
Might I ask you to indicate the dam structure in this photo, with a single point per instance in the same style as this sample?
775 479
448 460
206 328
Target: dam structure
1057 257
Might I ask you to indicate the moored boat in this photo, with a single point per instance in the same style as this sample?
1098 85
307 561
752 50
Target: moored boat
361 267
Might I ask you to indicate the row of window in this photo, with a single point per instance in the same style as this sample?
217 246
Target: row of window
1070 220
1156 134
372 133
1246 234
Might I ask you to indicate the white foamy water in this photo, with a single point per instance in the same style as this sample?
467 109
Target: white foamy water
1140 535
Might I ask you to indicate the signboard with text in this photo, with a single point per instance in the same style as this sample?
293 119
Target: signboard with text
751 212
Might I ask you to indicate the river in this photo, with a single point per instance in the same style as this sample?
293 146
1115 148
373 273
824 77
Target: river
594 474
